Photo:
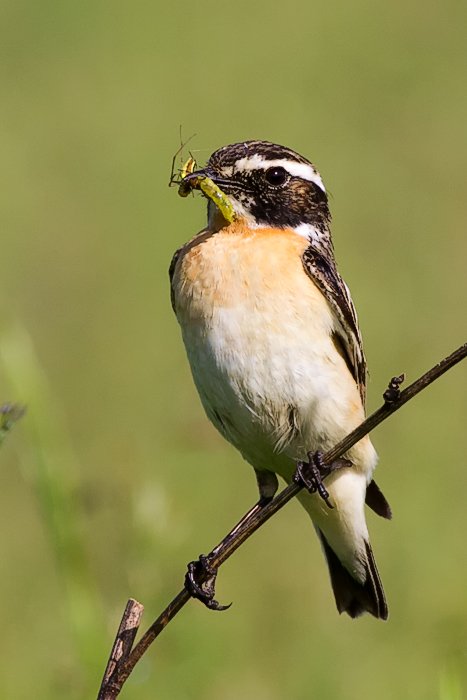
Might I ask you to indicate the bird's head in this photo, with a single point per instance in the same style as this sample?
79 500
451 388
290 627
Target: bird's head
267 185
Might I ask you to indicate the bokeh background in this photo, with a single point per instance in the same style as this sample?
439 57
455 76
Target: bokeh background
115 479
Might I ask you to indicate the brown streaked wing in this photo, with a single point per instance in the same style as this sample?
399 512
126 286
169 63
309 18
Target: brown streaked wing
322 270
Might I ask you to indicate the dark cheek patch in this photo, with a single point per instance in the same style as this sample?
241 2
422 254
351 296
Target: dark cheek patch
298 203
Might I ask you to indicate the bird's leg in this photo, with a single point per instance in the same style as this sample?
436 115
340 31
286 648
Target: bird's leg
200 579
312 473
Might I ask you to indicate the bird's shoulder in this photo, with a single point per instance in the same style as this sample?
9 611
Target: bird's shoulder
322 270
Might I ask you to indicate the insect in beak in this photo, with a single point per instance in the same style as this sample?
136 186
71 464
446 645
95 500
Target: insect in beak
192 179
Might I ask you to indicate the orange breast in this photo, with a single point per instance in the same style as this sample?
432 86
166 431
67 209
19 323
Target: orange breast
238 265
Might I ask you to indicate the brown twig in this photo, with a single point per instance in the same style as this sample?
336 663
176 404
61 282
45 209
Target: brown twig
118 669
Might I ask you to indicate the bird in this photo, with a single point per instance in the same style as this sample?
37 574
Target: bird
275 350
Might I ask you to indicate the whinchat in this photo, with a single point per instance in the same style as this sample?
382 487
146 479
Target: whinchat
275 349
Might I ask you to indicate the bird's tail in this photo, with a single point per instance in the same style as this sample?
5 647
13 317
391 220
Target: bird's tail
353 596
344 538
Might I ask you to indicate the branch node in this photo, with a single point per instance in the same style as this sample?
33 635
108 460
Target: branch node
393 391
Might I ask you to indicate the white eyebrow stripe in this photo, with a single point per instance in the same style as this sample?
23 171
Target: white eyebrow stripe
303 170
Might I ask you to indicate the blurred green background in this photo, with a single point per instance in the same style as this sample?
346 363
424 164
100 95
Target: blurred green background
115 479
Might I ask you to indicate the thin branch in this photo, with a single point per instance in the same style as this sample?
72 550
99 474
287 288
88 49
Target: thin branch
393 400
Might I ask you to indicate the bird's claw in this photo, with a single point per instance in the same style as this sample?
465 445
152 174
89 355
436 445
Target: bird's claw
200 582
312 473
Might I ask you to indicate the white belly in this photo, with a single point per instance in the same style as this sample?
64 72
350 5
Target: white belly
262 356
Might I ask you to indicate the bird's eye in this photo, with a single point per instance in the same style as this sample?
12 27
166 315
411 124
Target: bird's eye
276 176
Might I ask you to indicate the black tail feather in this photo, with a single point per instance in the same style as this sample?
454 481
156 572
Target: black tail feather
351 596
376 501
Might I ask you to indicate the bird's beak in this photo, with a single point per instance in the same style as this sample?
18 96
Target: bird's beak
193 181
208 183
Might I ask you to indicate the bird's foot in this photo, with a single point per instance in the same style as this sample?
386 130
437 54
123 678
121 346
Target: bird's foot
312 473
200 582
